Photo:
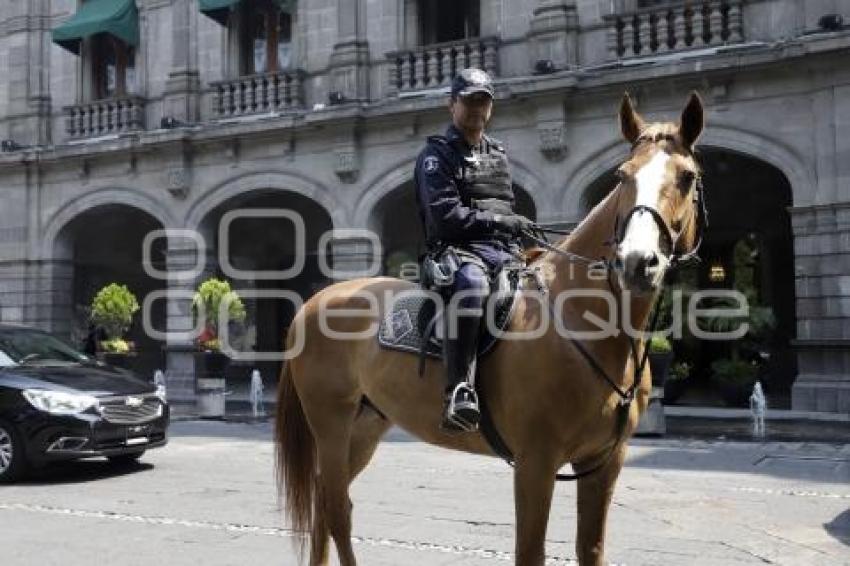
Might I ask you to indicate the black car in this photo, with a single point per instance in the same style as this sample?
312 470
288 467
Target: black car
59 404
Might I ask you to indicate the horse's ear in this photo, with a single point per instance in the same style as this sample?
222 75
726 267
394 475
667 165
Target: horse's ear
631 124
692 121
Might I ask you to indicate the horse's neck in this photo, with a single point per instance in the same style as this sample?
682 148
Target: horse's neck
592 239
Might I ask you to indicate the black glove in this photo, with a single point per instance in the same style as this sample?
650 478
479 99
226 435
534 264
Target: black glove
514 224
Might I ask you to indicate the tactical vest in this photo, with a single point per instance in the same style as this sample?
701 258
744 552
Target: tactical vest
486 180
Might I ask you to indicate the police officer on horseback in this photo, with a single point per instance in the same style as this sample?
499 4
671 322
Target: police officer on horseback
466 200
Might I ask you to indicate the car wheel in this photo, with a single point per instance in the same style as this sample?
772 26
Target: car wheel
126 459
13 459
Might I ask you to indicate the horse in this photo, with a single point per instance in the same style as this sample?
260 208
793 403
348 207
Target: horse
549 401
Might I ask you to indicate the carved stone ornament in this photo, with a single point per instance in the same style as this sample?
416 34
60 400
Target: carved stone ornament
177 182
552 143
346 167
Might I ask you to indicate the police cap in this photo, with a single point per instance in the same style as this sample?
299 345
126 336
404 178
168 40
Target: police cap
470 81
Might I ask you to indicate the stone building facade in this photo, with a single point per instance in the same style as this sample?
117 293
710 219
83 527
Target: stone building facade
126 117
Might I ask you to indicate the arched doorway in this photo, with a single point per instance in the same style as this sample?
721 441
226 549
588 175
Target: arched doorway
747 247
396 221
261 242
104 245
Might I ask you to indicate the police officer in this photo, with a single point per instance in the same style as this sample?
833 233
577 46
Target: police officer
466 199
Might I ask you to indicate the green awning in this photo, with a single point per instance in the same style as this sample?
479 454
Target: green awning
115 17
219 10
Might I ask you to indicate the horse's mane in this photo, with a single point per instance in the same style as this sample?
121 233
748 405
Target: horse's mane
535 254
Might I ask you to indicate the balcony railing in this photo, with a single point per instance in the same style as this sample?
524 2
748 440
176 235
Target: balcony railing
257 94
675 27
103 117
436 65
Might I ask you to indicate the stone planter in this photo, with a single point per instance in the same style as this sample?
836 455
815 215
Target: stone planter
210 364
210 397
659 364
210 383
652 422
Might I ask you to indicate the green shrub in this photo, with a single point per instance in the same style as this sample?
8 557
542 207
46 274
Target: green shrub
659 344
734 371
206 304
115 346
680 370
113 308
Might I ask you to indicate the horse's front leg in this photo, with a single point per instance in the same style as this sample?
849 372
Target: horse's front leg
534 481
594 498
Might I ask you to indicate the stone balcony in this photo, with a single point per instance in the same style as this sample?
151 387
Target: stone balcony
257 94
434 66
103 117
674 27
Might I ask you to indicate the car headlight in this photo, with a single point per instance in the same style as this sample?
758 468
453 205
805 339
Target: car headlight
160 392
59 402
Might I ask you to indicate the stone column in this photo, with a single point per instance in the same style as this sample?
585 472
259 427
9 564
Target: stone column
349 62
182 88
352 256
27 49
553 33
181 257
46 301
822 274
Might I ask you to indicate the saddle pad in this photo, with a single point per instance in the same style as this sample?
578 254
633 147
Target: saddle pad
405 325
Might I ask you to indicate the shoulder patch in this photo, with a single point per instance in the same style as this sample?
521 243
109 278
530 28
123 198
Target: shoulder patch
430 164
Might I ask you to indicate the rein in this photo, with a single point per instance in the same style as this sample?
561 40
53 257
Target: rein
627 396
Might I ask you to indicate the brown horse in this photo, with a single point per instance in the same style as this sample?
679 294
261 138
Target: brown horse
550 406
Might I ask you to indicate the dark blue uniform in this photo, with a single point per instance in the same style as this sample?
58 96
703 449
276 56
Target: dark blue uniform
451 177
466 201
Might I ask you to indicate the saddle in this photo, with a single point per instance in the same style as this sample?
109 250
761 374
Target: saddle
413 323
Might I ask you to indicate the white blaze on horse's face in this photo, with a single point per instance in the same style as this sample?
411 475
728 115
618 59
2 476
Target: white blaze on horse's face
641 261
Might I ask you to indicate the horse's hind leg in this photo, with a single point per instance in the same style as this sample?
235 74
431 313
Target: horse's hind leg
369 427
333 432
594 498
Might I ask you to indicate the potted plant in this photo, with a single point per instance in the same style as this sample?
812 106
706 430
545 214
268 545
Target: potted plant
677 380
735 376
210 362
660 358
734 380
112 310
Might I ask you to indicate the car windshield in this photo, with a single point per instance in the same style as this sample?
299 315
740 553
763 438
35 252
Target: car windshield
22 346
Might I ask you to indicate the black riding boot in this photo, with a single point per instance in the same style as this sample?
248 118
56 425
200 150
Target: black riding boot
461 403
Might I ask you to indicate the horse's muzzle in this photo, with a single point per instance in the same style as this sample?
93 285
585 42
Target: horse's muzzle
640 272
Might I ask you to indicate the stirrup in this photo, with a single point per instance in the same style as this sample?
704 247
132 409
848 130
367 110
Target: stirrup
462 416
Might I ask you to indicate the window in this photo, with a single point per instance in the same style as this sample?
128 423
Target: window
266 38
442 21
113 67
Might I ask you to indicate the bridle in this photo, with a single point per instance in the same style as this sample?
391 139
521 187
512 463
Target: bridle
669 236
674 259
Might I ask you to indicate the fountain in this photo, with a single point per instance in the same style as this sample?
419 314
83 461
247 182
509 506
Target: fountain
256 395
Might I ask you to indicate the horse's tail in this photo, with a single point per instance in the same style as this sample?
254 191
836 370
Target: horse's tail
296 469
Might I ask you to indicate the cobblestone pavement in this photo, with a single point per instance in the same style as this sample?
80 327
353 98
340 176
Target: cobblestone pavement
208 498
